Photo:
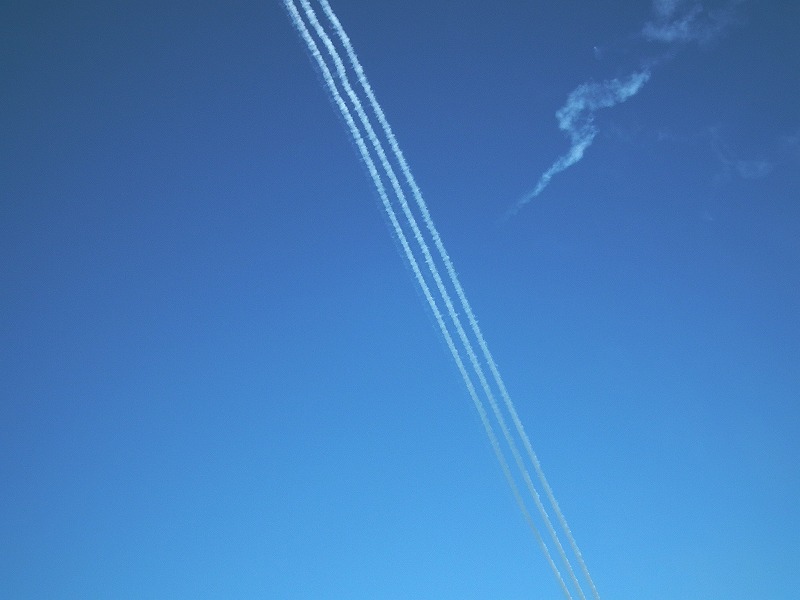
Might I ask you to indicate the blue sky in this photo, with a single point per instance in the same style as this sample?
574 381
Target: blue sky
221 381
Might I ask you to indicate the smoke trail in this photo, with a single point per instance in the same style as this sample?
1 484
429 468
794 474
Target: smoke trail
476 365
440 285
473 321
674 23
327 76
462 297
576 119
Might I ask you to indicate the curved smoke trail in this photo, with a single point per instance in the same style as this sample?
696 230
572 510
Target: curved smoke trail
576 119
675 23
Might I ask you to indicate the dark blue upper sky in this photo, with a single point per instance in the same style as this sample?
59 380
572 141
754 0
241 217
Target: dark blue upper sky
219 380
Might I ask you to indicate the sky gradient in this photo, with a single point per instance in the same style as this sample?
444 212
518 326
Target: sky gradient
221 381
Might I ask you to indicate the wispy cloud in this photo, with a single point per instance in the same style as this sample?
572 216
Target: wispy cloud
753 169
576 119
674 23
734 165
790 143
682 21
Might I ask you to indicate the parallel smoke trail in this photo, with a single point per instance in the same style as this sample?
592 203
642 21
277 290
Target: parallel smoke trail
354 131
409 254
341 72
597 102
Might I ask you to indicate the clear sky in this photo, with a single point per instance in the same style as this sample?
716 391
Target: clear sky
220 381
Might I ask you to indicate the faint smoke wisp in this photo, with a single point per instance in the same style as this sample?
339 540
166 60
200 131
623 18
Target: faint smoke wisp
733 164
576 119
680 22
674 23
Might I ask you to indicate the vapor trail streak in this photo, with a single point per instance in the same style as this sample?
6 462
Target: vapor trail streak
431 264
435 273
442 289
463 299
327 76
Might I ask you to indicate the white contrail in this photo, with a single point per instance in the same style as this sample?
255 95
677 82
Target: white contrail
453 315
459 289
443 291
327 76
576 119
341 72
